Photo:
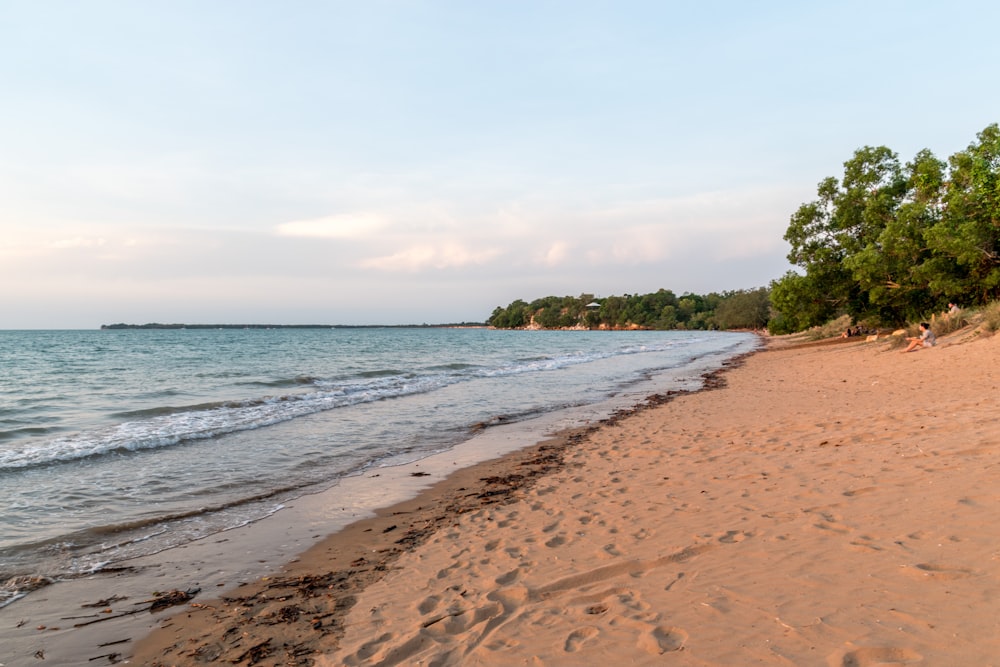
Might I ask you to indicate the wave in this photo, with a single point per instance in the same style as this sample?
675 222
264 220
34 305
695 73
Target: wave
382 373
31 565
15 433
296 381
111 536
166 426
455 366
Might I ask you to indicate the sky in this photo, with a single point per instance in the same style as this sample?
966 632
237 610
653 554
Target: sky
419 162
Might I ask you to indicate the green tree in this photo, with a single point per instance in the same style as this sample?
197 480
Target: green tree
513 316
801 302
834 238
667 318
743 309
967 237
825 287
612 310
687 306
889 269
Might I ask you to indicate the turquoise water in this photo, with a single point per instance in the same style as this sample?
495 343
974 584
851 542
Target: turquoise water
115 444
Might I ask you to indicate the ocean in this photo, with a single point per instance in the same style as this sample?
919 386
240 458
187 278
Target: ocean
116 444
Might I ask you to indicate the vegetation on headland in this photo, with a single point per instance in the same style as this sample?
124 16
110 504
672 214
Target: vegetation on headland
741 309
884 245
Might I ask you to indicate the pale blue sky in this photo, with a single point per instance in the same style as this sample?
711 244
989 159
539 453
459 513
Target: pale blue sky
406 162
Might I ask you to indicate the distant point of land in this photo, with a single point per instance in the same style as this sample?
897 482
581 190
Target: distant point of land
157 325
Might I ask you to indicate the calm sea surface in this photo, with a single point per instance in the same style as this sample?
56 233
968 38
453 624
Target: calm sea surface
115 444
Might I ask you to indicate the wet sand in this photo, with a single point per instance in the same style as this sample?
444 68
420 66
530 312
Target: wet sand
829 504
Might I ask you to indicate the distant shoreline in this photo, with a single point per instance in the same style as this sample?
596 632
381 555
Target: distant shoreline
158 326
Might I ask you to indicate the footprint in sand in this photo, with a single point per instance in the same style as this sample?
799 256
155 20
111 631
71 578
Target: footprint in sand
832 527
429 604
880 655
370 648
663 639
556 541
552 527
578 638
938 572
865 543
460 622
733 536
508 578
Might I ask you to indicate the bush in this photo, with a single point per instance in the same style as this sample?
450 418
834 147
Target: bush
991 317
831 329
942 326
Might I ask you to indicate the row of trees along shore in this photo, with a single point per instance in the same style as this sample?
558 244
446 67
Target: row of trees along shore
886 244
742 309
891 243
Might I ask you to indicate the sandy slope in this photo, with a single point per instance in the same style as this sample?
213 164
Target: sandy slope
831 505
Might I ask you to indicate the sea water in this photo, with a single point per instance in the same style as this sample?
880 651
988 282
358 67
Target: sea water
121 443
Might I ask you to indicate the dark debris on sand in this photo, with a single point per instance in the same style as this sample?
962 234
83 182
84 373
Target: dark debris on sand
312 607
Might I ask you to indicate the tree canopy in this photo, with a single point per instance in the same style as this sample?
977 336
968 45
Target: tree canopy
889 243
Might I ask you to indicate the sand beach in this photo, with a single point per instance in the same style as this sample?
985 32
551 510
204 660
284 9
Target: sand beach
818 504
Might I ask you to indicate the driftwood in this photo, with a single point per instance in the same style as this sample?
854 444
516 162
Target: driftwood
106 602
108 618
119 641
156 603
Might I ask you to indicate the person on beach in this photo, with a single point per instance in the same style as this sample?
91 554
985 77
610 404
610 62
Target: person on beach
953 309
925 339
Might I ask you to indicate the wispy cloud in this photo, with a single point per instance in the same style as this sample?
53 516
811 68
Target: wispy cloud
347 226
78 242
448 255
556 254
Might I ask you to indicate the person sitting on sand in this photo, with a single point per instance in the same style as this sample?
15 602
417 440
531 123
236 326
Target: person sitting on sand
953 309
925 339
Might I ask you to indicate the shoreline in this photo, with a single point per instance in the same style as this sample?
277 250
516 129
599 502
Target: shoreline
309 600
42 623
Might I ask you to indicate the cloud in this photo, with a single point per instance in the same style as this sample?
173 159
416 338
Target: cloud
348 226
427 256
78 242
556 254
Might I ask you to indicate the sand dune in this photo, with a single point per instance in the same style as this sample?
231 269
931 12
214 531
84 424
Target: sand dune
830 505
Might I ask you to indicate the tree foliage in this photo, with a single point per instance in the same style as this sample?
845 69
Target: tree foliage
741 309
889 243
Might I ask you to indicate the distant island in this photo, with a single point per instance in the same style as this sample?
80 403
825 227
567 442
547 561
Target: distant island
157 325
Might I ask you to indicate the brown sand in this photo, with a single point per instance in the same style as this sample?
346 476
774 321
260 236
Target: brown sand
830 505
